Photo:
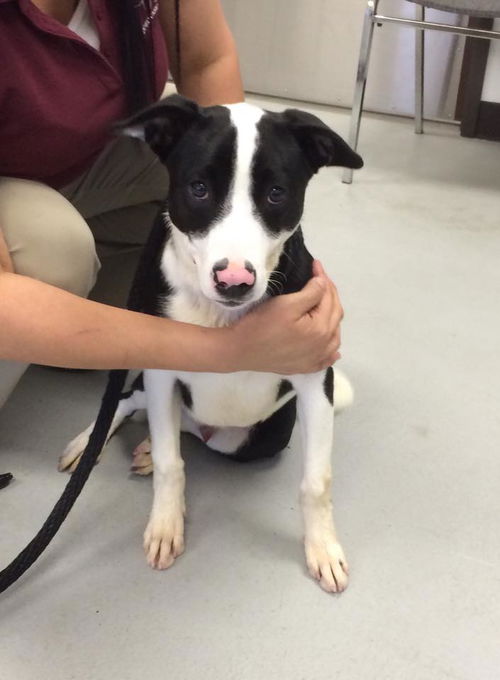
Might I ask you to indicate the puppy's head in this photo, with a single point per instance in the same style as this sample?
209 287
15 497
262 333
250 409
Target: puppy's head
238 175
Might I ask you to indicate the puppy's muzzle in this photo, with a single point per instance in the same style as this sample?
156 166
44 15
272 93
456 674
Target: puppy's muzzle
233 281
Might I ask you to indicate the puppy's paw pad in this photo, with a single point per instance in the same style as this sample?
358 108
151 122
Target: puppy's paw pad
164 541
327 564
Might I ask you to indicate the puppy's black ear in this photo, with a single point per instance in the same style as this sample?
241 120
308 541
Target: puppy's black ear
162 124
320 145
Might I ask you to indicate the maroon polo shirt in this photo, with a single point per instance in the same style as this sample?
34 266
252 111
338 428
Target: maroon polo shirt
58 95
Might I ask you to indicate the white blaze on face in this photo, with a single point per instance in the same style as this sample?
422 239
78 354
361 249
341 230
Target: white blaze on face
239 236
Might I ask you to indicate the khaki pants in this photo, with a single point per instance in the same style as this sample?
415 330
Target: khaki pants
87 237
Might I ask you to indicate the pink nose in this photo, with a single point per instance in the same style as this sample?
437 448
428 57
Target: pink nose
228 274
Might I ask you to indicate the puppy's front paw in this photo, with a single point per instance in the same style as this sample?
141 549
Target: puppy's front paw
327 563
164 539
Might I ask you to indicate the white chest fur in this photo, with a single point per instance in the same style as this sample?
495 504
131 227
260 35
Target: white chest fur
231 400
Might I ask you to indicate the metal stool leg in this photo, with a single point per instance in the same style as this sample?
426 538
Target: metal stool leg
419 72
359 91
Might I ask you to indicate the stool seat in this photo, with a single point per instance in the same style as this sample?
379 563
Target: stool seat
472 8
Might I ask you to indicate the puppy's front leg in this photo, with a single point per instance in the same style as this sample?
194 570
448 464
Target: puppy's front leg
324 554
164 535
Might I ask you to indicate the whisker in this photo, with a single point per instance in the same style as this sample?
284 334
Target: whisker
272 285
290 259
276 285
278 273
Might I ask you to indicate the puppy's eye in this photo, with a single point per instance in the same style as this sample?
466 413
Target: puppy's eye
199 190
276 195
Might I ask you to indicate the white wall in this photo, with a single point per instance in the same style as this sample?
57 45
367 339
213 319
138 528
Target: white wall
308 49
491 86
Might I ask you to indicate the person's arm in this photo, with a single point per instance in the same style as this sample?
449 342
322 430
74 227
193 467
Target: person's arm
46 325
43 324
209 69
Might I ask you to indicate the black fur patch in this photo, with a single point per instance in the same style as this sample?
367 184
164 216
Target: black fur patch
186 395
294 266
328 384
268 437
278 162
137 386
205 153
284 388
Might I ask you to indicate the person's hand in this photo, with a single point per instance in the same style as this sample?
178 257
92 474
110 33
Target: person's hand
295 333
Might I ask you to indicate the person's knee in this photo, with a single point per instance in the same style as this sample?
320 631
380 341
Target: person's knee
47 238
73 260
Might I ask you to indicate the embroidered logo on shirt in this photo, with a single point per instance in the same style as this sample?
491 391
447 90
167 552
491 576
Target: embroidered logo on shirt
151 15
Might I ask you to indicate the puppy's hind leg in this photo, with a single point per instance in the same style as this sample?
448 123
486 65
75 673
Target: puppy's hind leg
142 463
73 451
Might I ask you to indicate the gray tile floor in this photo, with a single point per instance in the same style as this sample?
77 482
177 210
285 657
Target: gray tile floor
414 245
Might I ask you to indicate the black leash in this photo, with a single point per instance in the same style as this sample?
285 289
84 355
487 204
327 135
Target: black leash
73 488
112 394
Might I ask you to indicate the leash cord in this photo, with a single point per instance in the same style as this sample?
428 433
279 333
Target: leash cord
109 403
74 486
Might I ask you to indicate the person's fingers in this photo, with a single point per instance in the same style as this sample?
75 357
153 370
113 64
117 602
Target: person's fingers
337 309
309 297
336 341
317 268
326 306
332 353
329 306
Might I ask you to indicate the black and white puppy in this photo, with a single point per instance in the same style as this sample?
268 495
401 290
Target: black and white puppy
231 238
